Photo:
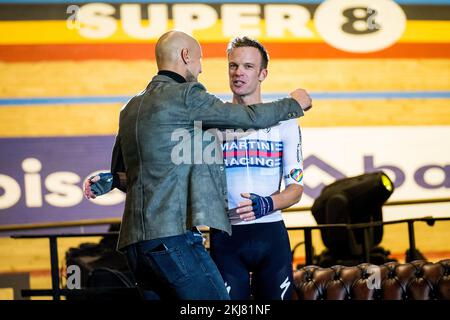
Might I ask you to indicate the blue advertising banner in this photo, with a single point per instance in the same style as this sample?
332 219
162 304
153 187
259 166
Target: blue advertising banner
41 179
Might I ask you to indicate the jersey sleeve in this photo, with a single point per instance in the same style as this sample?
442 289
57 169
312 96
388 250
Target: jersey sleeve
292 153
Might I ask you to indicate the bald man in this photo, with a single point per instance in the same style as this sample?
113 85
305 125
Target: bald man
171 188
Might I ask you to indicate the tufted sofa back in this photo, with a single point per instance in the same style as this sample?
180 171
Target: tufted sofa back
417 280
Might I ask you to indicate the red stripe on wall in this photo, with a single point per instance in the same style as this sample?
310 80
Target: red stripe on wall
137 51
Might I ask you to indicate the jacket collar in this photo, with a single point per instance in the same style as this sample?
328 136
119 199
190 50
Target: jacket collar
172 75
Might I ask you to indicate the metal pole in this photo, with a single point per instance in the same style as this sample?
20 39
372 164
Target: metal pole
412 238
54 267
308 247
366 245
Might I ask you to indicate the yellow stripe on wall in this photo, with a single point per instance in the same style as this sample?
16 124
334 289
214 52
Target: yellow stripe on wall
426 31
54 32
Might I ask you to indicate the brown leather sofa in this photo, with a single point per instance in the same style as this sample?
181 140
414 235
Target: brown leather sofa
417 280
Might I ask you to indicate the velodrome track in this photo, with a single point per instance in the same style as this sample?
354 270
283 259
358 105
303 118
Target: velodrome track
81 79
116 78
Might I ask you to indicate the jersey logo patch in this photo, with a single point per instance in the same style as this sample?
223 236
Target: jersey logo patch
252 153
296 174
284 286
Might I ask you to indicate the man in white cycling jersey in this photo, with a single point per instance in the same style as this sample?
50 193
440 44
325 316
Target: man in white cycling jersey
256 259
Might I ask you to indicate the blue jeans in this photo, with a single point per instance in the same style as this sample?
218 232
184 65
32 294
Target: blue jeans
176 267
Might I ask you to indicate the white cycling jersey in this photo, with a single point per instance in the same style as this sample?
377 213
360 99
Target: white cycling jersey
257 161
